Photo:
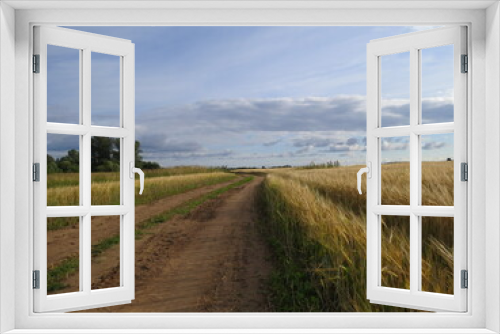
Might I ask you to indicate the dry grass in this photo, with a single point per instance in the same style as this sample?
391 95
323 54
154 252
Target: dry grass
108 193
56 180
317 222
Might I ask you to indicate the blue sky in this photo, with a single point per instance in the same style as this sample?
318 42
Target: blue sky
253 96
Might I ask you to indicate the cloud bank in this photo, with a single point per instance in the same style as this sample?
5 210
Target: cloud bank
228 131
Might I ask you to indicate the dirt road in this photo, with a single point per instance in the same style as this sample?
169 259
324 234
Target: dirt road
212 261
61 243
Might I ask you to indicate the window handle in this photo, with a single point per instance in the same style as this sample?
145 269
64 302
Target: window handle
368 171
138 171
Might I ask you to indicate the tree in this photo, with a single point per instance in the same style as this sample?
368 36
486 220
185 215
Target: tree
150 165
70 163
139 161
105 154
138 157
52 165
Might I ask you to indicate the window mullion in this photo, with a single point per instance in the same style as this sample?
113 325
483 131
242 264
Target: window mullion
85 236
414 172
86 120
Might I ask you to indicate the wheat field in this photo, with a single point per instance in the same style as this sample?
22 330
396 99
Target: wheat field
316 221
106 188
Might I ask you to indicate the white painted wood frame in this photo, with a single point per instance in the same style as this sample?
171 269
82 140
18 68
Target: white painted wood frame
85 43
413 43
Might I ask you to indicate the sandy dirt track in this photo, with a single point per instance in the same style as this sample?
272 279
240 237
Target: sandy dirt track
212 261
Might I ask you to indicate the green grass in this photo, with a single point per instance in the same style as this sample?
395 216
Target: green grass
104 245
189 206
57 274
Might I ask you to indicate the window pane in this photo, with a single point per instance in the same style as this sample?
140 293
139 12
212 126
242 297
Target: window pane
437 169
105 90
395 170
63 255
395 89
437 84
396 252
63 85
437 254
63 166
105 252
105 171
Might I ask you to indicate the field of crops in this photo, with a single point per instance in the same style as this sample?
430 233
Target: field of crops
63 188
316 223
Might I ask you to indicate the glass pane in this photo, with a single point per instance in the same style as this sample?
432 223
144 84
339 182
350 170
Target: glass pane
395 170
437 169
437 84
105 171
105 90
395 89
437 254
63 255
105 261
63 85
63 166
396 252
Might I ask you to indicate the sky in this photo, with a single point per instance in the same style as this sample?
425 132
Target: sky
254 96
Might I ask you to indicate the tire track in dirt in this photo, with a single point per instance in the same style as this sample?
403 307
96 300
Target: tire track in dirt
61 243
214 260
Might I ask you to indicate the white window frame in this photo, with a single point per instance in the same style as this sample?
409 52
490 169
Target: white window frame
483 315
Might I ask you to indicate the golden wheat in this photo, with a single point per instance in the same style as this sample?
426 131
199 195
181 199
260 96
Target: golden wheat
328 210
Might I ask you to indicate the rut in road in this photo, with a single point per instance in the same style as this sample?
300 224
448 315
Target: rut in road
213 261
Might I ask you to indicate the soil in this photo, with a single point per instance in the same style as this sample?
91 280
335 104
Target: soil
214 260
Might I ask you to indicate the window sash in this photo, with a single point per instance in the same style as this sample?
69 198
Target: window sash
86 297
414 298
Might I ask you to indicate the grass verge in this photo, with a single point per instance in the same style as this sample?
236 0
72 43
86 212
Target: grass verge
57 274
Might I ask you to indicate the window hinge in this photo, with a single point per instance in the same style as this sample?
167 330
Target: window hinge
465 279
36 63
465 64
36 172
36 279
464 171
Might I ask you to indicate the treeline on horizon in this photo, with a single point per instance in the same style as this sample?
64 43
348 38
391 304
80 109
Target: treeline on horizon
312 165
105 157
